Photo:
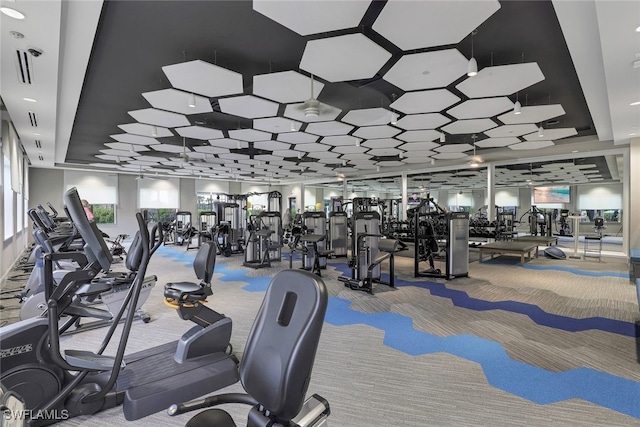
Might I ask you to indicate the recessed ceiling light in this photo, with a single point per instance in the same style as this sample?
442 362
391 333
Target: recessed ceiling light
638 30
574 151
36 134
29 99
12 13
635 103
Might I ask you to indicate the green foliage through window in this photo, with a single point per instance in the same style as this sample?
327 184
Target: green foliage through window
104 214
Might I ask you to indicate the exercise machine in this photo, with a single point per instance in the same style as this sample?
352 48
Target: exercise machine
316 224
83 382
440 235
258 246
386 250
338 233
179 230
565 228
229 231
207 220
291 316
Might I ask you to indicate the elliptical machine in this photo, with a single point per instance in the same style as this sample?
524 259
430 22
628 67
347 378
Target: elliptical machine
82 382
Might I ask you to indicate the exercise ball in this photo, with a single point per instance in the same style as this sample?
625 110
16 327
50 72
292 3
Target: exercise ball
318 207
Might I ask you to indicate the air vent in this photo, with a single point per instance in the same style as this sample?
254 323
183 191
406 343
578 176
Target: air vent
41 158
33 119
24 67
38 143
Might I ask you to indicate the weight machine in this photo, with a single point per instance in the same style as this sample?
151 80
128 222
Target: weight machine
179 230
261 248
338 233
227 233
315 223
206 223
442 235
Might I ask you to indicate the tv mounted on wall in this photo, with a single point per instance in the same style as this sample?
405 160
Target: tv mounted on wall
556 194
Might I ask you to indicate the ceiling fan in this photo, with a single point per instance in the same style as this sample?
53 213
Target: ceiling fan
311 107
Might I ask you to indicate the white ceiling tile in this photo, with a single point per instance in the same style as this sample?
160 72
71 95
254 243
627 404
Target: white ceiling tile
454 148
419 146
419 159
248 106
146 130
274 125
199 132
287 153
286 87
104 165
532 114
501 80
368 117
250 135
511 130
266 157
212 150
356 156
309 148
382 143
134 139
297 137
427 70
369 132
159 118
384 152
204 78
427 101
481 108
420 136
271 145
313 17
326 113
423 121
329 128
145 162
449 156
343 58
349 149
552 134
326 155
203 156
178 101
233 156
131 148
340 140
229 143
469 126
114 158
497 142
531 145
390 163
419 24
169 148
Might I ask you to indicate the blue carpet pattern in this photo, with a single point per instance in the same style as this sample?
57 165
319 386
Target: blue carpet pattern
529 382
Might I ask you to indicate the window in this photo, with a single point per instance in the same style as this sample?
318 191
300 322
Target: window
100 190
160 198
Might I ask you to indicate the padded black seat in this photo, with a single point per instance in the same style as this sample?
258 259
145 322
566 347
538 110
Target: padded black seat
279 354
203 265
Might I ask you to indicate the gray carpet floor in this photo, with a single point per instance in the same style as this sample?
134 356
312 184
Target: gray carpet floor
369 381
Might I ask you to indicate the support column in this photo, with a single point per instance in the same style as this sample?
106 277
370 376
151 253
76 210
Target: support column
404 196
491 192
631 188
345 192
301 206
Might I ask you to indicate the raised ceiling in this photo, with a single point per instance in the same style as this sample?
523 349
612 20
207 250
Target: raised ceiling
218 88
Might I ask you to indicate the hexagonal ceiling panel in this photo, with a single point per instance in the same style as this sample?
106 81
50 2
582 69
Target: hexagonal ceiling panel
310 148
250 135
204 78
552 134
350 149
326 112
497 142
368 117
343 58
117 159
297 137
418 159
449 156
531 145
312 17
390 163
211 150
275 125
420 136
248 106
329 128
532 114
481 108
131 148
501 80
422 121
383 131
326 155
419 146
134 139
454 148
286 87
511 130
384 152
382 143
469 126
229 143
427 70
431 23
428 101
178 101
170 148
340 140
199 132
146 130
271 145
152 116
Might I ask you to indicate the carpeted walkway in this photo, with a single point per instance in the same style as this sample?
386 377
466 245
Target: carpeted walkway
548 343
